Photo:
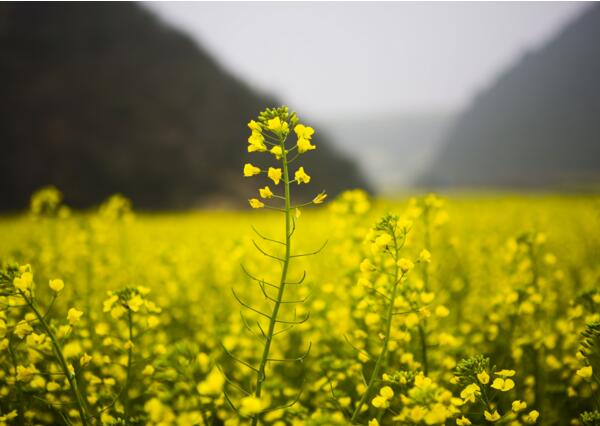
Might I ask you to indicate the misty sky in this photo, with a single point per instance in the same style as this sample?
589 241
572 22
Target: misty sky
338 58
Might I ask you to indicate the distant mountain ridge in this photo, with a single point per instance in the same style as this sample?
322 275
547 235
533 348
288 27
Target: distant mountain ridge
99 98
393 148
538 125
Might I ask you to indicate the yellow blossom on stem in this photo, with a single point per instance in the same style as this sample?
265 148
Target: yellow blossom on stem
265 192
518 405
274 174
532 417
491 417
250 170
24 282
405 265
301 177
74 316
320 198
56 285
255 203
483 377
278 126
277 152
503 385
585 372
256 142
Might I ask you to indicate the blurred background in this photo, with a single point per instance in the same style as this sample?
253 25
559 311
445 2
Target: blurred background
151 100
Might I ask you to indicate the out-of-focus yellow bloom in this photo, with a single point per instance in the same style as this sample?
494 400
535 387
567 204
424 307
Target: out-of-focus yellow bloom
255 203
56 285
148 370
380 402
425 256
265 192
585 372
518 405
387 392
74 316
275 174
24 282
503 385
373 422
532 417
505 373
250 170
85 359
470 392
52 386
25 374
213 384
483 377
405 265
301 176
463 421
491 417
251 405
23 329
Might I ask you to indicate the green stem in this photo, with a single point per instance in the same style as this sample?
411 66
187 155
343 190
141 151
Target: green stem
129 360
379 362
260 375
81 406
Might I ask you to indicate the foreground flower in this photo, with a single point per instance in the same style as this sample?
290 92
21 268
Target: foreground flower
255 203
503 385
491 417
265 192
301 176
250 170
274 174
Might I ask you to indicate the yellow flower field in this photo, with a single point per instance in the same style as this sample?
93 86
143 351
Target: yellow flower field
426 310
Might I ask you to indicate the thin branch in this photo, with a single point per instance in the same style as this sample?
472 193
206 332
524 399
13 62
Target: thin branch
265 253
311 253
267 238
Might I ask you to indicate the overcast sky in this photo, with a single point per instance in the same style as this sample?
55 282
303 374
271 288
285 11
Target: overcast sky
339 58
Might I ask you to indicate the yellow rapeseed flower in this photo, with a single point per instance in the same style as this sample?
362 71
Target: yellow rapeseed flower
405 265
532 417
74 316
503 385
585 372
301 176
275 174
483 377
255 203
491 417
518 405
265 192
56 285
277 151
24 282
463 421
278 126
250 170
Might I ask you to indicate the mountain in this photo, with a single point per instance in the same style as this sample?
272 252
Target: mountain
393 148
538 125
99 98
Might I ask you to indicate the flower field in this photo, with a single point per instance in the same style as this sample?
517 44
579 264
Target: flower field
421 311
